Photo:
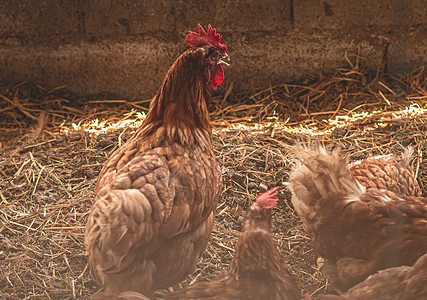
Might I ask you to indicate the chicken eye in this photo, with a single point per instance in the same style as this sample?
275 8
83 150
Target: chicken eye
213 57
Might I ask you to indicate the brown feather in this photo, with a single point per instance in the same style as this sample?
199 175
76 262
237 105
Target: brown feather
388 172
356 231
391 284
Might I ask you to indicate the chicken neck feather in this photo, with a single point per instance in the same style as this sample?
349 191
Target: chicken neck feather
180 105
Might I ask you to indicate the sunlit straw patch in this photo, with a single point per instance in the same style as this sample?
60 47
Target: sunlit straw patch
102 127
367 120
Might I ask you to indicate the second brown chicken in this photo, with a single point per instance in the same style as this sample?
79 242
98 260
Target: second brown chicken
257 270
355 231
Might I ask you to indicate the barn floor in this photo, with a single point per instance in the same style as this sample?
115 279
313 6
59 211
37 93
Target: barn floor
52 149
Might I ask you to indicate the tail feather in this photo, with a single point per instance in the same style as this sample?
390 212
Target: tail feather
319 173
406 157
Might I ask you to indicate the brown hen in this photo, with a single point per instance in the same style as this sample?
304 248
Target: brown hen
156 195
257 270
387 172
396 283
355 231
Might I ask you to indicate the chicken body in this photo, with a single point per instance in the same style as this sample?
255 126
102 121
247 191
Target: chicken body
387 172
355 231
156 195
391 284
257 270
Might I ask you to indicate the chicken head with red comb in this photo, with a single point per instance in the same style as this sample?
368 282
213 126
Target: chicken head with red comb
215 53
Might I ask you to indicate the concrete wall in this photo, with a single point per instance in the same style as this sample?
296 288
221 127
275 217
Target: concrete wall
124 47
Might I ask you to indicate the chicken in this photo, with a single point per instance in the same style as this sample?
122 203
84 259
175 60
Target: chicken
257 270
156 195
387 172
391 284
355 231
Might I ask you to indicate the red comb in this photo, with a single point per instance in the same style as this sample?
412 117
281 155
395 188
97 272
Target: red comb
211 38
268 199
307 297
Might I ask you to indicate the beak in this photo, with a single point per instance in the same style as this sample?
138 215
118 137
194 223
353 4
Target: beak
226 57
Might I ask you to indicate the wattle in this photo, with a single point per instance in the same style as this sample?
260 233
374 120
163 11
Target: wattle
217 78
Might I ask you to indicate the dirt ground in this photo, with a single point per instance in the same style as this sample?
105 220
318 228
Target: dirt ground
54 145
